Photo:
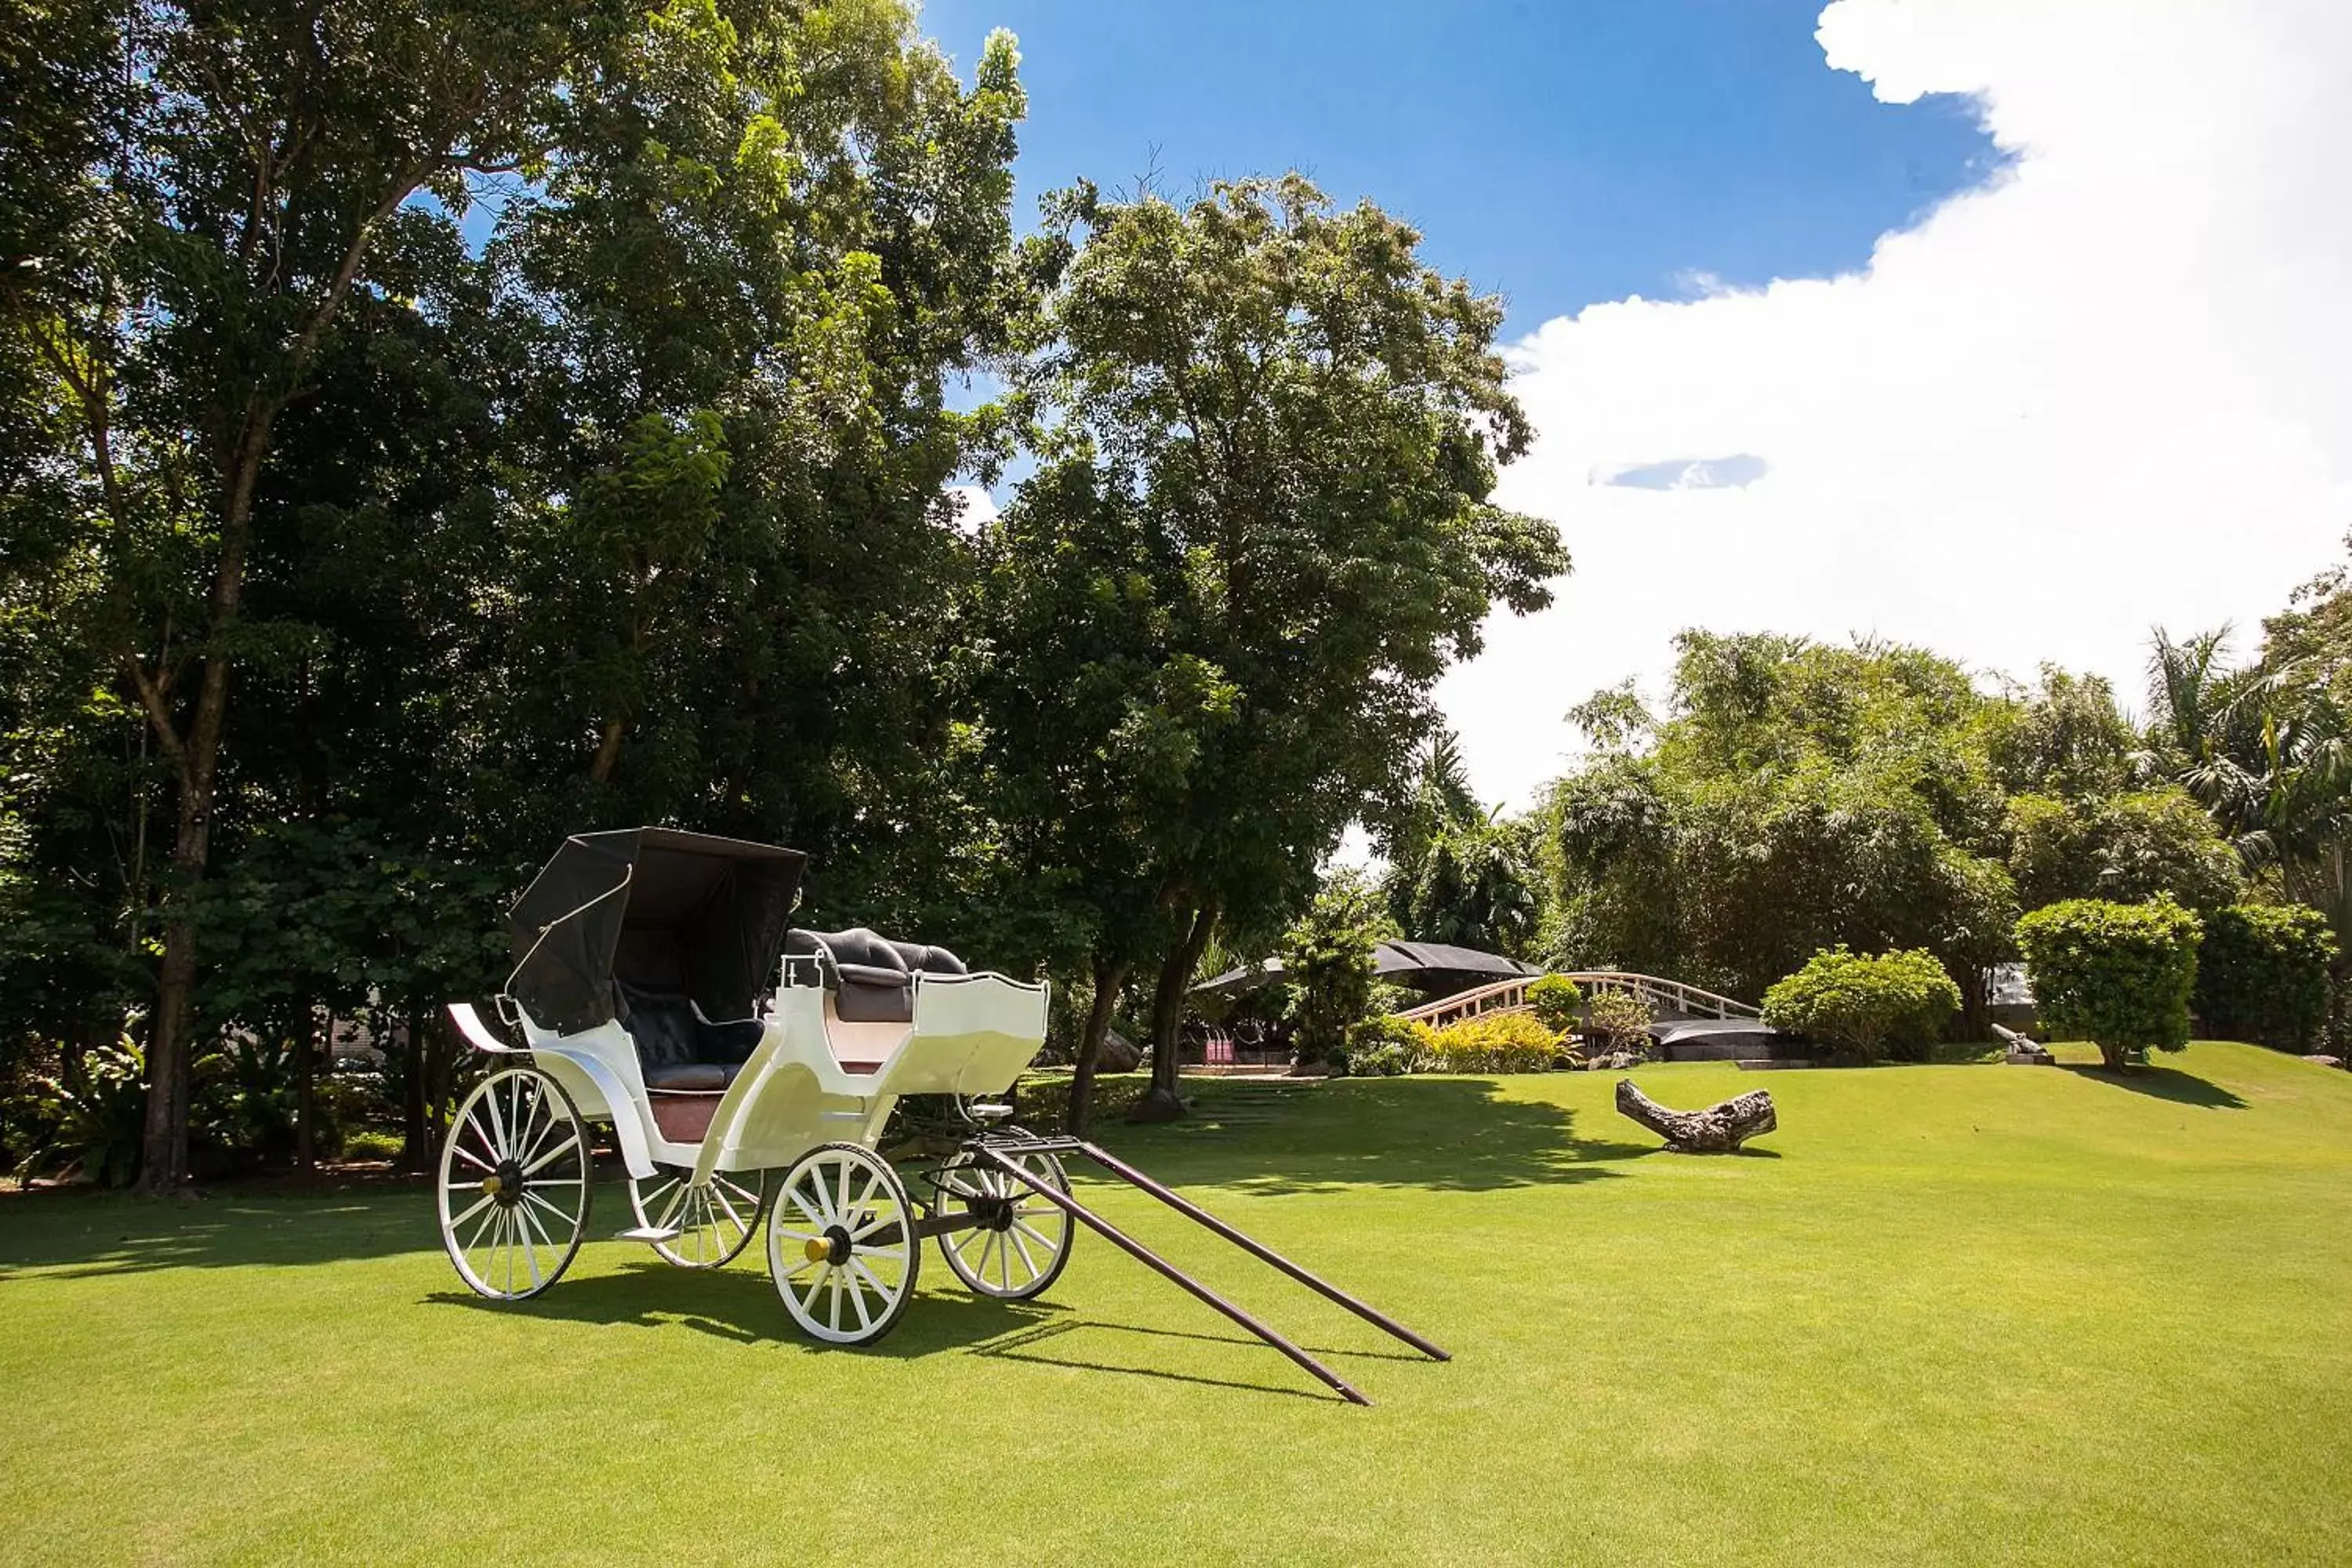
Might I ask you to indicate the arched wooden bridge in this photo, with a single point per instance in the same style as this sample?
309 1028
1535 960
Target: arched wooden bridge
1669 1000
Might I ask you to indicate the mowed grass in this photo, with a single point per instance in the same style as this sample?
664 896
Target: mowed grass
1952 1314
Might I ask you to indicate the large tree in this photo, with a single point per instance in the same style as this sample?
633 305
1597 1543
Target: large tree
637 515
239 187
1277 433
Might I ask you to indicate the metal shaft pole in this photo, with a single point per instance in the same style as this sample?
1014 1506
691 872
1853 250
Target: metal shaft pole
1151 1259
1193 1211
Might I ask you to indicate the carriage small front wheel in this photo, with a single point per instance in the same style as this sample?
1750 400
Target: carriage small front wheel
514 1184
843 1246
1016 1243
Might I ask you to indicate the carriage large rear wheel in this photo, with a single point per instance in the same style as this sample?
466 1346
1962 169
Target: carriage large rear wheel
1017 1243
714 1221
514 1183
842 1244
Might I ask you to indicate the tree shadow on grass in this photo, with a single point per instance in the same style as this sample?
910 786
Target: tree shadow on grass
1448 1134
2163 1083
80 1235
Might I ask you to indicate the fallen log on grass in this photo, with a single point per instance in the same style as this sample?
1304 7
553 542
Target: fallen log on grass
1718 1129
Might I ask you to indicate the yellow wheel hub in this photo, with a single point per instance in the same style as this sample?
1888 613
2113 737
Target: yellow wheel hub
817 1249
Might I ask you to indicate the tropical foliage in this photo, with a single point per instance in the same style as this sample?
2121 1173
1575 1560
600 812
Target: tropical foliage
1327 961
1493 1042
1616 1021
1385 1046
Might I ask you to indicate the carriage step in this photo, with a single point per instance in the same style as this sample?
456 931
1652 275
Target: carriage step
651 1235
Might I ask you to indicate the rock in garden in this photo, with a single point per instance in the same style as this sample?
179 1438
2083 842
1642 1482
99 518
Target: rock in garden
2324 1061
1118 1053
1718 1129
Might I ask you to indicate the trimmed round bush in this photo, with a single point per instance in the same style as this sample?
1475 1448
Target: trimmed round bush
1494 1042
1385 1047
1864 1005
1556 1002
2262 973
2119 976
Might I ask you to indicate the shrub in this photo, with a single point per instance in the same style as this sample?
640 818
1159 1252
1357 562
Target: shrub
1860 1004
1556 1002
372 1144
2262 973
2118 976
88 1119
1385 1047
1494 1042
1617 1021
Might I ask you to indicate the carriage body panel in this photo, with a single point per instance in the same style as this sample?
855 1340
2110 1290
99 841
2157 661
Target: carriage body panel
972 1035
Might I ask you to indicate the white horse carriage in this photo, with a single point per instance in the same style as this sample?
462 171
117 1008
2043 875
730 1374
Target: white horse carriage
745 1072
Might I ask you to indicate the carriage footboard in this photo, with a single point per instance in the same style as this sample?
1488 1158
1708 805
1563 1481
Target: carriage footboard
997 1153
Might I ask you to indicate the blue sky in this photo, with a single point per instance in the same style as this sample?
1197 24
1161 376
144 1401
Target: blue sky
1985 401
1560 153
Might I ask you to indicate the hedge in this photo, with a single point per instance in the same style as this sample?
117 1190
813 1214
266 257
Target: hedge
2262 973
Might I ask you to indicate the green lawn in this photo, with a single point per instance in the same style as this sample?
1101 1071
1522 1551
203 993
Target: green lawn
1949 1313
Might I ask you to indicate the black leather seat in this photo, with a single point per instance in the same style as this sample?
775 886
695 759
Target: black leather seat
691 1075
878 975
676 1050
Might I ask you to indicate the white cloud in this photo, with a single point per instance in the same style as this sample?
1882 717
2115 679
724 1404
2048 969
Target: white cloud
975 509
2110 390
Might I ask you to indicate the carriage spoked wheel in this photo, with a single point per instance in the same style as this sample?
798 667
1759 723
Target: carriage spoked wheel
1018 1242
842 1244
714 1221
514 1184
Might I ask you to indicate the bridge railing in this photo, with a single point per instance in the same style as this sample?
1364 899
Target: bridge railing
1663 995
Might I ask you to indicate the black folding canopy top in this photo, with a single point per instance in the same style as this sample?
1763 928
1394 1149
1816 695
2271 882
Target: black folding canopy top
660 910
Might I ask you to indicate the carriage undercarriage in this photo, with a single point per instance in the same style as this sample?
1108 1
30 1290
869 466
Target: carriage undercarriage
781 1138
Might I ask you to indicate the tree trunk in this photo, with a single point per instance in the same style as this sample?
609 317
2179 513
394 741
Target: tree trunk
1161 1102
163 1154
1108 978
1976 1002
415 1145
444 1068
306 1099
2115 1058
166 1146
1719 1130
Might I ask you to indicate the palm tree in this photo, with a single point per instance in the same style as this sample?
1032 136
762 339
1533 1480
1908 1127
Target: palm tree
2267 749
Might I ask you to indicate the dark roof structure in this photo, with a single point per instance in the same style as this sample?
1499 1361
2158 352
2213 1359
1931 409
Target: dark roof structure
685 914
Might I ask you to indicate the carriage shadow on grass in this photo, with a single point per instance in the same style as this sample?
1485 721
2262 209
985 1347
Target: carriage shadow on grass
739 1305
